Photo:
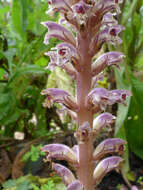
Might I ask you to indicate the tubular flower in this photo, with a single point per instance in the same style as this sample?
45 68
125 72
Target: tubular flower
102 97
66 175
60 152
106 166
60 96
106 59
57 31
76 185
109 146
103 120
108 34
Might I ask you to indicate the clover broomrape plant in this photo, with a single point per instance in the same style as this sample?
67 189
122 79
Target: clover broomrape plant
91 24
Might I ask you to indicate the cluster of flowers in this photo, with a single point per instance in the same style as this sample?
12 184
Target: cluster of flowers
92 23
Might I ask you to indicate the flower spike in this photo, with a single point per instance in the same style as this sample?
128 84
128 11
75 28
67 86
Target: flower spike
60 152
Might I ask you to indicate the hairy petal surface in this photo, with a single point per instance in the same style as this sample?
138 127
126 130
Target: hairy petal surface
76 185
106 166
60 152
57 31
66 175
109 146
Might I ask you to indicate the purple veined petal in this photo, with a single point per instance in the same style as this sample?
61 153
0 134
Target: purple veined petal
66 175
106 166
107 59
103 120
68 52
55 95
104 6
98 97
76 185
57 31
75 148
109 146
81 8
118 96
109 20
109 34
53 60
60 152
83 133
81 12
60 5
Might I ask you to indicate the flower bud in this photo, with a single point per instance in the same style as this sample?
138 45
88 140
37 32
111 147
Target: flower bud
83 132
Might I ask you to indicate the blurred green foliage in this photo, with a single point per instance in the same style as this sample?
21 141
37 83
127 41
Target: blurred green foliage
129 124
22 66
30 182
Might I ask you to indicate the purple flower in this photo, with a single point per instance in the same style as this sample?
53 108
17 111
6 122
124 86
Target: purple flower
106 166
107 59
103 120
108 34
109 146
60 152
57 31
119 95
60 96
101 97
66 175
76 185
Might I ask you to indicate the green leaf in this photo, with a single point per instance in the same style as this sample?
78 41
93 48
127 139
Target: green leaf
134 122
9 184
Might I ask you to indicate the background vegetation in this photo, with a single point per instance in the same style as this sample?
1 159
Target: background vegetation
23 76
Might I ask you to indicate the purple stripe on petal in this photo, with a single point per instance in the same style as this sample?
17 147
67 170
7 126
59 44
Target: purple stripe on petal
57 31
66 175
60 152
106 166
76 185
109 146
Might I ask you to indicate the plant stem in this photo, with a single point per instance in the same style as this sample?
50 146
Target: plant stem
85 169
